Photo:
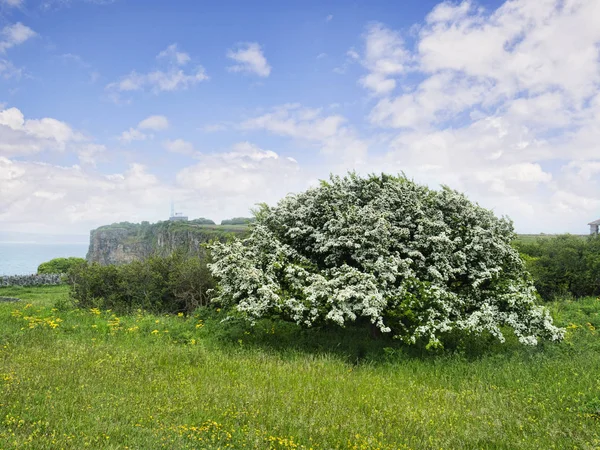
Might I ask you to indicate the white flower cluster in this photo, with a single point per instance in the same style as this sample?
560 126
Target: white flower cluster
413 261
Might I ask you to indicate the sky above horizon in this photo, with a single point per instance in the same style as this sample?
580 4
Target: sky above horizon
110 110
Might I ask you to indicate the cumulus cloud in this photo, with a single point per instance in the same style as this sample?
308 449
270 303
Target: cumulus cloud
250 59
495 102
152 123
220 185
330 133
520 53
14 34
245 171
156 123
169 77
11 36
171 54
384 56
20 136
133 134
84 199
520 46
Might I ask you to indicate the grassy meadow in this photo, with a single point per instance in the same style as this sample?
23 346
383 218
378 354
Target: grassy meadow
72 378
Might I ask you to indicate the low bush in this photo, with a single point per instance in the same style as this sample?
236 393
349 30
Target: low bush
59 265
160 284
202 221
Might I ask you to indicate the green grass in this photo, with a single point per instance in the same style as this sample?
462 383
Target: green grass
75 379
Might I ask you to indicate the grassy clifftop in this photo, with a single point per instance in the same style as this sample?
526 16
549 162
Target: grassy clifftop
124 242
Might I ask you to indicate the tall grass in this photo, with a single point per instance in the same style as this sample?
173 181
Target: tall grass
72 378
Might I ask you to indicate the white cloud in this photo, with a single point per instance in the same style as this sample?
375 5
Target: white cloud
22 137
153 123
448 12
522 46
133 134
15 34
385 56
180 146
19 136
331 133
329 18
248 150
156 123
219 186
297 122
12 3
250 59
169 78
438 98
30 191
88 153
246 171
158 81
8 70
171 54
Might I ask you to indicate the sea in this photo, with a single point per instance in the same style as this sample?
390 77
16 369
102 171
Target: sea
24 258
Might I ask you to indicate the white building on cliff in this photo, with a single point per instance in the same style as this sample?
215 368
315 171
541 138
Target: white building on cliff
594 226
177 216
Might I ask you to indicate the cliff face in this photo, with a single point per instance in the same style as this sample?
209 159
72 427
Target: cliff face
126 242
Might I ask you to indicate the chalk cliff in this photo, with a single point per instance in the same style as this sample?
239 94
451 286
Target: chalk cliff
124 242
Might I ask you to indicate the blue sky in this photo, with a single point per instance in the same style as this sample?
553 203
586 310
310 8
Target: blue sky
110 109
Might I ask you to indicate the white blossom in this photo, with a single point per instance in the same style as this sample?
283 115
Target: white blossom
414 262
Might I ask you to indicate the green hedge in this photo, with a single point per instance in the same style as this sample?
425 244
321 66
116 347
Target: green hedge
159 284
564 265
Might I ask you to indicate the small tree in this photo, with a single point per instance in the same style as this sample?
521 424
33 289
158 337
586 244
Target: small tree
414 262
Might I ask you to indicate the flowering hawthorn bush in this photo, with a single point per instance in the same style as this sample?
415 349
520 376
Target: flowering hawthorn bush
413 261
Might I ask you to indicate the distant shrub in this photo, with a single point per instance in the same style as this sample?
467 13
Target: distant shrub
202 221
160 284
564 265
238 221
415 263
59 265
